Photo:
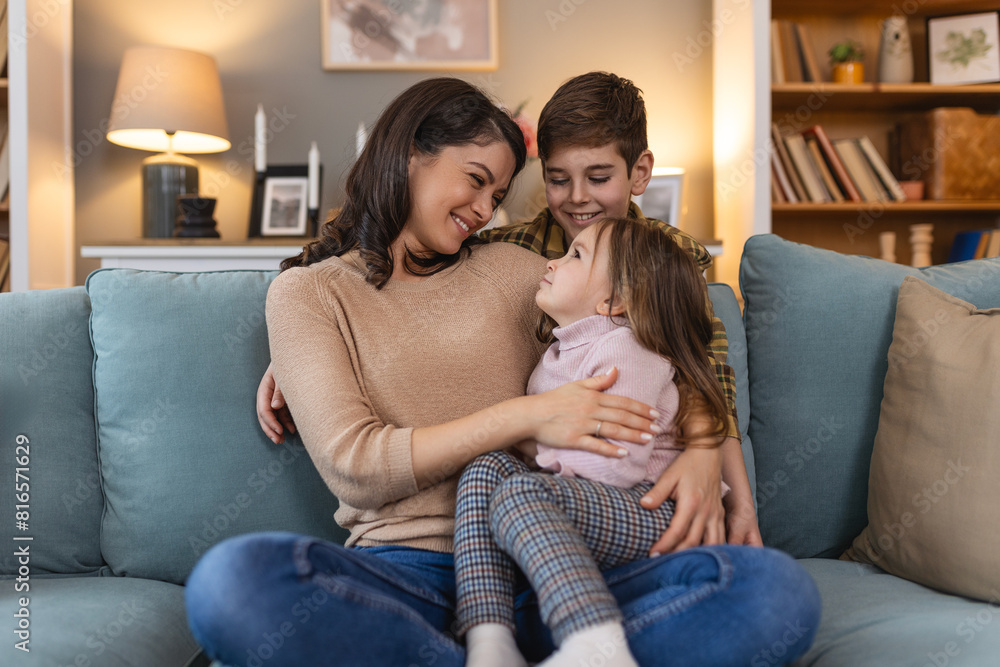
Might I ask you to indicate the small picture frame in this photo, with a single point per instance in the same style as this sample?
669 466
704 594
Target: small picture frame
964 49
662 198
277 194
284 210
379 35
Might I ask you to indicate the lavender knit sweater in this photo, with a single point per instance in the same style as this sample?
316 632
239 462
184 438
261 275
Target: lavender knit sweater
589 347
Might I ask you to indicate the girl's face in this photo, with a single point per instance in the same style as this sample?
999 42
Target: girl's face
577 285
453 195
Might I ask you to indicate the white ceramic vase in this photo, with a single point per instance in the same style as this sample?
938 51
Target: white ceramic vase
895 57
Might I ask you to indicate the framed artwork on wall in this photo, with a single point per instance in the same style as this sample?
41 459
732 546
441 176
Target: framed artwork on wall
662 198
964 49
391 35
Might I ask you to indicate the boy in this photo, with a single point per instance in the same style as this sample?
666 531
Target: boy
595 157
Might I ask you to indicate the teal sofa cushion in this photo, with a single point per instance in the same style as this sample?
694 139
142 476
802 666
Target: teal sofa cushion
873 619
47 401
727 309
184 463
105 621
818 327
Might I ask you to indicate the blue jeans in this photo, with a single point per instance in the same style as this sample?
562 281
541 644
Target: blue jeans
271 599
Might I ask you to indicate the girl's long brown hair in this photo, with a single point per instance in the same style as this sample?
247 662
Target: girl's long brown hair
426 118
666 305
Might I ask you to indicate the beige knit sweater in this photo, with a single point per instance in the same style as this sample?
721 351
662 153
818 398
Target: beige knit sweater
360 368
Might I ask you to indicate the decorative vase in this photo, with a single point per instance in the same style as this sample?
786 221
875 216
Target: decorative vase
849 72
895 54
196 219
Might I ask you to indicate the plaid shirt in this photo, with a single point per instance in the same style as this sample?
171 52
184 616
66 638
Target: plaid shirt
544 236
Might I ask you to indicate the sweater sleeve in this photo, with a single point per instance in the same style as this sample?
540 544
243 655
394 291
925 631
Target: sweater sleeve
644 376
364 462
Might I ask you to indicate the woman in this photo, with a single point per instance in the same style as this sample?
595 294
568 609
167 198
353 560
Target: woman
403 348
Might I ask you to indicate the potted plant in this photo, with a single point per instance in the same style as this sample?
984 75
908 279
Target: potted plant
847 58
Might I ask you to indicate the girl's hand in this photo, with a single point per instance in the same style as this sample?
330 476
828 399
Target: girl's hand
694 482
271 409
568 417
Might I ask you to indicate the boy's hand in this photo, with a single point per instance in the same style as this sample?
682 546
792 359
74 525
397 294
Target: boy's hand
741 522
271 409
694 482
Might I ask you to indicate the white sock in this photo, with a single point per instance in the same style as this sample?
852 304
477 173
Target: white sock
581 648
492 645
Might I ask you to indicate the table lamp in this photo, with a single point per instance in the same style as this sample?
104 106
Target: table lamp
168 100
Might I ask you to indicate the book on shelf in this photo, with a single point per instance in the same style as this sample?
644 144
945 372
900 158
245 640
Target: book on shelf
778 147
811 180
777 64
881 169
777 196
833 161
975 244
4 166
836 195
860 170
810 66
4 31
5 263
793 54
780 177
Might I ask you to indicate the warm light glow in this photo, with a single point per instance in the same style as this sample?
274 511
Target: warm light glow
668 171
159 140
165 91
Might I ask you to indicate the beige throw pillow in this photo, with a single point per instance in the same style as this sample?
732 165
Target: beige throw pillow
934 486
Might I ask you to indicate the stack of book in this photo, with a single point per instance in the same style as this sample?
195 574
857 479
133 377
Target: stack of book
975 244
793 56
808 167
4 265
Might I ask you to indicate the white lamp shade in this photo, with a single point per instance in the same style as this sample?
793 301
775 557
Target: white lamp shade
163 91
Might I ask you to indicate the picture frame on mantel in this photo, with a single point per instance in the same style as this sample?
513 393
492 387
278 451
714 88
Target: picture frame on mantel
378 35
964 49
279 193
663 196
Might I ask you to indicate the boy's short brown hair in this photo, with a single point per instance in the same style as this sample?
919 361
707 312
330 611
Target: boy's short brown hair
591 110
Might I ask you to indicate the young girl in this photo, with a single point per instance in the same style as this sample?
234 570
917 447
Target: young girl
625 295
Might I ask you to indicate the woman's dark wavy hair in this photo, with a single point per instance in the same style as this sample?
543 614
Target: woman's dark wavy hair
426 117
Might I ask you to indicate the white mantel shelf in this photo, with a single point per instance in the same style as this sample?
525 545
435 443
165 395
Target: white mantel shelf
213 255
194 254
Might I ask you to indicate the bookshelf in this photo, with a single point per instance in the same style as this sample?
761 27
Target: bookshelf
871 109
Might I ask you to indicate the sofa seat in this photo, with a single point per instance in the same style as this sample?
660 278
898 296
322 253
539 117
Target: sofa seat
105 621
871 618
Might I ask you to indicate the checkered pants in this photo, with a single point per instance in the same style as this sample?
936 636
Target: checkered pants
561 532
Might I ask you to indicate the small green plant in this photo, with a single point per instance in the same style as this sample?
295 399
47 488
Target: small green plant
847 51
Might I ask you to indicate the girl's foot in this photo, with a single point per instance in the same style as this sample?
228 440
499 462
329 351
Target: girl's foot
492 645
581 648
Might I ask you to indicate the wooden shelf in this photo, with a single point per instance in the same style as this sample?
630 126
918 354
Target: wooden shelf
890 208
883 7
984 98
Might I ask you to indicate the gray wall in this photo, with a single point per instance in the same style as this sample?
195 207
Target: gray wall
269 52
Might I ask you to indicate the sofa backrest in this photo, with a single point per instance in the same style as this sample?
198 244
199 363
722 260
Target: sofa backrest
818 328
183 461
727 309
51 480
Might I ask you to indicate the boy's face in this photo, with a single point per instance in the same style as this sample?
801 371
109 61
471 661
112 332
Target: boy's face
583 185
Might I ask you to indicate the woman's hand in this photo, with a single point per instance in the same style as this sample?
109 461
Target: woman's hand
271 409
694 482
568 417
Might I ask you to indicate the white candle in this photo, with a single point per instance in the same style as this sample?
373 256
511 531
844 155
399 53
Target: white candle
260 140
313 177
360 138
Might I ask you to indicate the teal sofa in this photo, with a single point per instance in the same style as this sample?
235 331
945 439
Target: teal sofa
128 405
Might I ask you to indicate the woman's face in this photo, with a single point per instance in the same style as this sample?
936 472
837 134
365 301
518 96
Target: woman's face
453 195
